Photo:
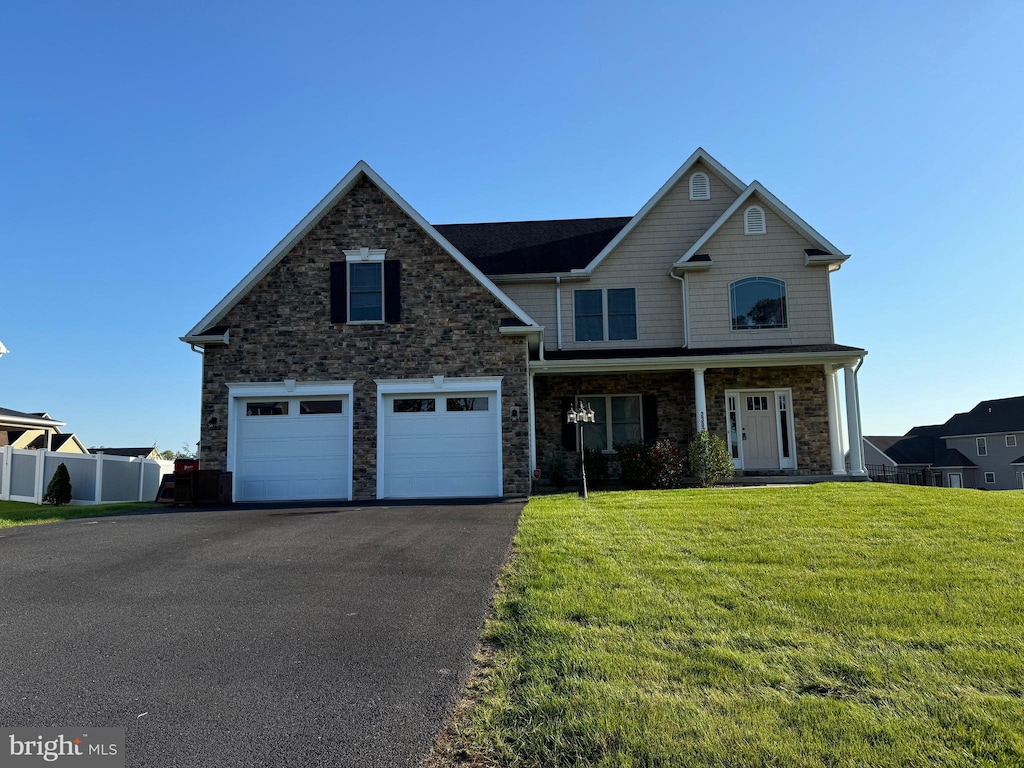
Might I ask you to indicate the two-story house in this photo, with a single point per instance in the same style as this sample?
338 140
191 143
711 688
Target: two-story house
371 354
982 448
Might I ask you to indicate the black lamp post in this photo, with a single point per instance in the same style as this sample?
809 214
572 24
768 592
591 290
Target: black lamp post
581 415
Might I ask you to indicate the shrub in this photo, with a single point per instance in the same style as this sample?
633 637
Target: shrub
59 490
555 469
710 462
658 465
597 468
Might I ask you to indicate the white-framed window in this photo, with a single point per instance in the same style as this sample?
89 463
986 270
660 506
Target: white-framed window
982 446
758 303
617 421
990 477
1011 441
365 281
601 314
753 221
700 186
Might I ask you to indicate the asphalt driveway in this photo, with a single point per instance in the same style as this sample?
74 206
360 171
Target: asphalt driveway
330 636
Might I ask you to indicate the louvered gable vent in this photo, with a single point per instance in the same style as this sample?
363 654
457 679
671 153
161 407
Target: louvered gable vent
700 189
753 221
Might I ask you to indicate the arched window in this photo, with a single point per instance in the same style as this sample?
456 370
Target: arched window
700 187
757 302
753 221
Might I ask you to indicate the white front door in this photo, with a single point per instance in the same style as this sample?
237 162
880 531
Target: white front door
440 444
956 480
759 430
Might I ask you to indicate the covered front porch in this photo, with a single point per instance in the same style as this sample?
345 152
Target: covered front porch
778 412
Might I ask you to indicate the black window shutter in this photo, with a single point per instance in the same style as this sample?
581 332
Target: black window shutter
649 405
392 291
568 430
339 292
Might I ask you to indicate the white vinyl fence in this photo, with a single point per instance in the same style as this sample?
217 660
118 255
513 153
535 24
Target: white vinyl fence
95 478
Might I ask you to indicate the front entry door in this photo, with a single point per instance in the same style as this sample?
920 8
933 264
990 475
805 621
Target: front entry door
760 431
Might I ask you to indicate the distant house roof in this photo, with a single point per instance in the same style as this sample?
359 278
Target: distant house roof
141 453
528 247
920 446
988 416
1018 461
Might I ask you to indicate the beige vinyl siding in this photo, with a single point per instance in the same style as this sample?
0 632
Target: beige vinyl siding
780 254
643 260
538 301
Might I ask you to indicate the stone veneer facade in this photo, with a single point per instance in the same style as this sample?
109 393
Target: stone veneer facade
449 326
676 408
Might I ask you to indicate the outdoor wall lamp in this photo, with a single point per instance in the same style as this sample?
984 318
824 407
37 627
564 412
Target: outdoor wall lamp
580 416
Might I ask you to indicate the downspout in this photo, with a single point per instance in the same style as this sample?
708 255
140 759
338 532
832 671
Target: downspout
558 307
682 299
199 445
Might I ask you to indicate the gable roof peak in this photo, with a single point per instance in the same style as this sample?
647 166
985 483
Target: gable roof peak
699 155
311 219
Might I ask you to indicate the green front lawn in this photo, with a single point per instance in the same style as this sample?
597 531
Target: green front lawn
833 625
20 513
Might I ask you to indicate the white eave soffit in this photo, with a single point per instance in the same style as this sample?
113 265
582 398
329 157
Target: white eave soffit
313 218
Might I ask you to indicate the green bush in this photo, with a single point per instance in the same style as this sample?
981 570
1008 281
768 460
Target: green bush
58 492
597 468
710 462
555 469
659 465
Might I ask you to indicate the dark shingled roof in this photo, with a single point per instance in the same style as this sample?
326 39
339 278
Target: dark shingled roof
635 352
526 247
922 445
1018 461
1006 415
137 452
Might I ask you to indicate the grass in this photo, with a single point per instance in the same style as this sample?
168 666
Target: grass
832 625
14 513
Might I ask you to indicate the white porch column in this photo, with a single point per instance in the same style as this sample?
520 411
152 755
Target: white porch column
857 468
834 437
700 398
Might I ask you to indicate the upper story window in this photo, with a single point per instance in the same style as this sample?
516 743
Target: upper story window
605 314
1011 441
366 292
753 221
757 303
700 186
365 288
982 446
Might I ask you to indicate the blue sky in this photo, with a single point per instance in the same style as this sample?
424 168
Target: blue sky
152 153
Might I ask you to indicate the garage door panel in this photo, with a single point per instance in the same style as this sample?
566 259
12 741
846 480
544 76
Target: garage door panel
440 453
292 457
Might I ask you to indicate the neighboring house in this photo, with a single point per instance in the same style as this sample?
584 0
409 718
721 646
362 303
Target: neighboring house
137 453
983 448
373 355
32 431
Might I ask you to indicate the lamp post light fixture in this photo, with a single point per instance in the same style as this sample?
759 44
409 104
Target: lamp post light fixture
580 416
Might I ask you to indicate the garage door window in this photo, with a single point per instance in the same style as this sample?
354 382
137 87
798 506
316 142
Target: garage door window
457 404
415 405
266 409
314 407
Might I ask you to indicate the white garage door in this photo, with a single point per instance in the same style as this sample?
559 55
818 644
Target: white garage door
440 445
292 449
